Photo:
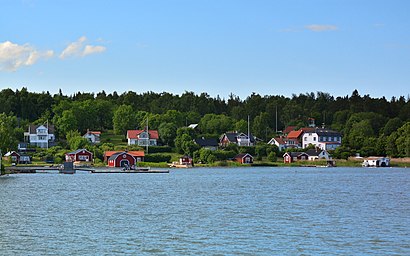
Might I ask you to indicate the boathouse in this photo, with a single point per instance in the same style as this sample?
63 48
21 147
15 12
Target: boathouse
290 157
122 159
80 155
244 158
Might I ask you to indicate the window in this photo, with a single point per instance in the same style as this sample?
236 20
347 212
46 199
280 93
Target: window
314 138
305 138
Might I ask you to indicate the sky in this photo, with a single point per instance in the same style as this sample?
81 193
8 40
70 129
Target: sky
273 47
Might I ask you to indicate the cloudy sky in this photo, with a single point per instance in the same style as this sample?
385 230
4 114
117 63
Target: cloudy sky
218 47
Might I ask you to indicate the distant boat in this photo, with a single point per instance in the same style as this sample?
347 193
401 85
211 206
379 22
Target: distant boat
376 162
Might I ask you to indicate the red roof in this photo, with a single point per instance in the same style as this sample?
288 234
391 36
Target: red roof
295 134
289 129
133 153
133 134
280 140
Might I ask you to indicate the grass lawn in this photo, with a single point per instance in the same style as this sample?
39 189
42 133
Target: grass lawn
110 137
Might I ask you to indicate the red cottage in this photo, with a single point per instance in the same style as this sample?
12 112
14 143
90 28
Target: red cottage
80 155
290 157
244 158
121 159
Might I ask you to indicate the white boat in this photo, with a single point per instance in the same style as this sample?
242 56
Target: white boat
376 162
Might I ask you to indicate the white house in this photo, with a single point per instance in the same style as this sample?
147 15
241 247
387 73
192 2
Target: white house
241 139
279 142
322 138
40 135
92 136
142 137
315 154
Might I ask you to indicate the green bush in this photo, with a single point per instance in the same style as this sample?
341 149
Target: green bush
2 170
272 157
157 158
160 149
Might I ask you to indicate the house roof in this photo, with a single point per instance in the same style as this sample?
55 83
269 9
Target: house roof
10 153
295 154
78 151
314 152
93 132
133 134
211 142
280 140
295 134
133 153
232 136
32 128
193 126
242 155
288 129
327 133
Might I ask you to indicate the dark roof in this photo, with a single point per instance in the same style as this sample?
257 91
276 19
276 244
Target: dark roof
78 151
242 155
112 157
313 152
295 154
32 128
328 133
233 135
207 142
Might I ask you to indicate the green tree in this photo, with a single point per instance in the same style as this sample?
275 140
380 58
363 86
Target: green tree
168 133
8 136
124 119
403 140
260 126
67 122
76 141
216 124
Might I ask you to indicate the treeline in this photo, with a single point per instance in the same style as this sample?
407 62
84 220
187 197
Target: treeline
369 125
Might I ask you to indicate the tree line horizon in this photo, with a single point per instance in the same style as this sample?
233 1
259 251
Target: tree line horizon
366 123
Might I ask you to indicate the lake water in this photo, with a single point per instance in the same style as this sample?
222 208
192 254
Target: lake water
220 211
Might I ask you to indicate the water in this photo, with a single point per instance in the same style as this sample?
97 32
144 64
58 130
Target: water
238 211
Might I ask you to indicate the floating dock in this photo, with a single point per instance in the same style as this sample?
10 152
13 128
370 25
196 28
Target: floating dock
129 171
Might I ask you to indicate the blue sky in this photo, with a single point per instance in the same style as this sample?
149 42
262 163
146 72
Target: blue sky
214 46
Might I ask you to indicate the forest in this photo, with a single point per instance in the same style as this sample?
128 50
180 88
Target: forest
370 126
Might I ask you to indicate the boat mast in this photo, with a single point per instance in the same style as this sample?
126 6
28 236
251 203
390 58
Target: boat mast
249 134
148 136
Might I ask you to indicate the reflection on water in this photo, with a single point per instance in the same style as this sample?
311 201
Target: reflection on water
245 211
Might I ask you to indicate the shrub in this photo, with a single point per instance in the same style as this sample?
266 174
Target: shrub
272 157
160 149
157 158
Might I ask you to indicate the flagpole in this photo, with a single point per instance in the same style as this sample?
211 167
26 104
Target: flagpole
148 135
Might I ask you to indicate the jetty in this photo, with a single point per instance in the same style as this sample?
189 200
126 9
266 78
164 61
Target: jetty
136 170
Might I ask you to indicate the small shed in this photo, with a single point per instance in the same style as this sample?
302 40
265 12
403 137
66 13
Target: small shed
290 157
185 160
122 159
80 155
244 158
13 156
315 154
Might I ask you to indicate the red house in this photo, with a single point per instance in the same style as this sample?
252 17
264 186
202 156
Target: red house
122 159
290 157
139 155
80 155
13 156
244 158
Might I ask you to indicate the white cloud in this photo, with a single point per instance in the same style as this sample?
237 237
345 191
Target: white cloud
90 49
321 28
14 56
78 49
